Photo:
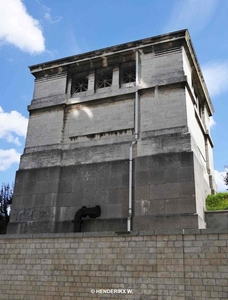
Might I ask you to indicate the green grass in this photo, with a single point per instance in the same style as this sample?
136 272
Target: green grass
218 201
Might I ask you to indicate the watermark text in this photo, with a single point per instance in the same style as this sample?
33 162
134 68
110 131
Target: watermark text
112 291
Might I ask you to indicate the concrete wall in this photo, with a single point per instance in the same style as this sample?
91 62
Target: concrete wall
216 219
163 195
50 85
45 128
202 190
46 199
107 129
84 120
160 66
206 119
146 265
164 108
198 143
165 192
187 67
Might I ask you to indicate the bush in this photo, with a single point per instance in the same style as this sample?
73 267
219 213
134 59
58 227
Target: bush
218 201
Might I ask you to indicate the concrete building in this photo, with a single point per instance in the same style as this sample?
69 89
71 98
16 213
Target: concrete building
125 128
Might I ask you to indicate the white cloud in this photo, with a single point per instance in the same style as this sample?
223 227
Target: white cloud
47 13
212 122
51 19
216 77
17 27
12 124
7 158
219 180
43 6
191 14
12 139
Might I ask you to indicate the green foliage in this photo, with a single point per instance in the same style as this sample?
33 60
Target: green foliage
225 178
218 201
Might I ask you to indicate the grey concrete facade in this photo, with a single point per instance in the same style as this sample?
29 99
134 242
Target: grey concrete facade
82 123
217 219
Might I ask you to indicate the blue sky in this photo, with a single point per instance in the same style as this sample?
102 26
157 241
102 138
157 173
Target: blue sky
35 31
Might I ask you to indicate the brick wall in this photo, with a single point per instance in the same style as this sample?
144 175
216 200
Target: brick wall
190 265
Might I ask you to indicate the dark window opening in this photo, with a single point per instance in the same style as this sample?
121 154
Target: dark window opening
80 85
104 79
128 75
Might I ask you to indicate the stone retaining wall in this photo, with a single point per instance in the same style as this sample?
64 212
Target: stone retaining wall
217 219
165 265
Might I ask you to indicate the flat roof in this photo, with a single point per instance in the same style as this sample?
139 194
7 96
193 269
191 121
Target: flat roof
112 50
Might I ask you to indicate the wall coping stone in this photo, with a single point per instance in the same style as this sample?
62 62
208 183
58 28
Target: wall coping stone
216 211
113 234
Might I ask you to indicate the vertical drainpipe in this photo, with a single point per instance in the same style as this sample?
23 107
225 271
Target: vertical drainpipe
135 141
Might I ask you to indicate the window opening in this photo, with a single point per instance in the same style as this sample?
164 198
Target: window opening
104 79
80 85
128 75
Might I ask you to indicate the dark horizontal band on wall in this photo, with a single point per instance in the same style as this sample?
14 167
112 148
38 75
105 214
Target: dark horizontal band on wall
128 131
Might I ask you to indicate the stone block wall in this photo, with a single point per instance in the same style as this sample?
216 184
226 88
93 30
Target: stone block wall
49 86
165 265
45 128
164 192
46 199
217 219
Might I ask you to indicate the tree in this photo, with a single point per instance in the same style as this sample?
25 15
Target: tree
225 178
6 195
